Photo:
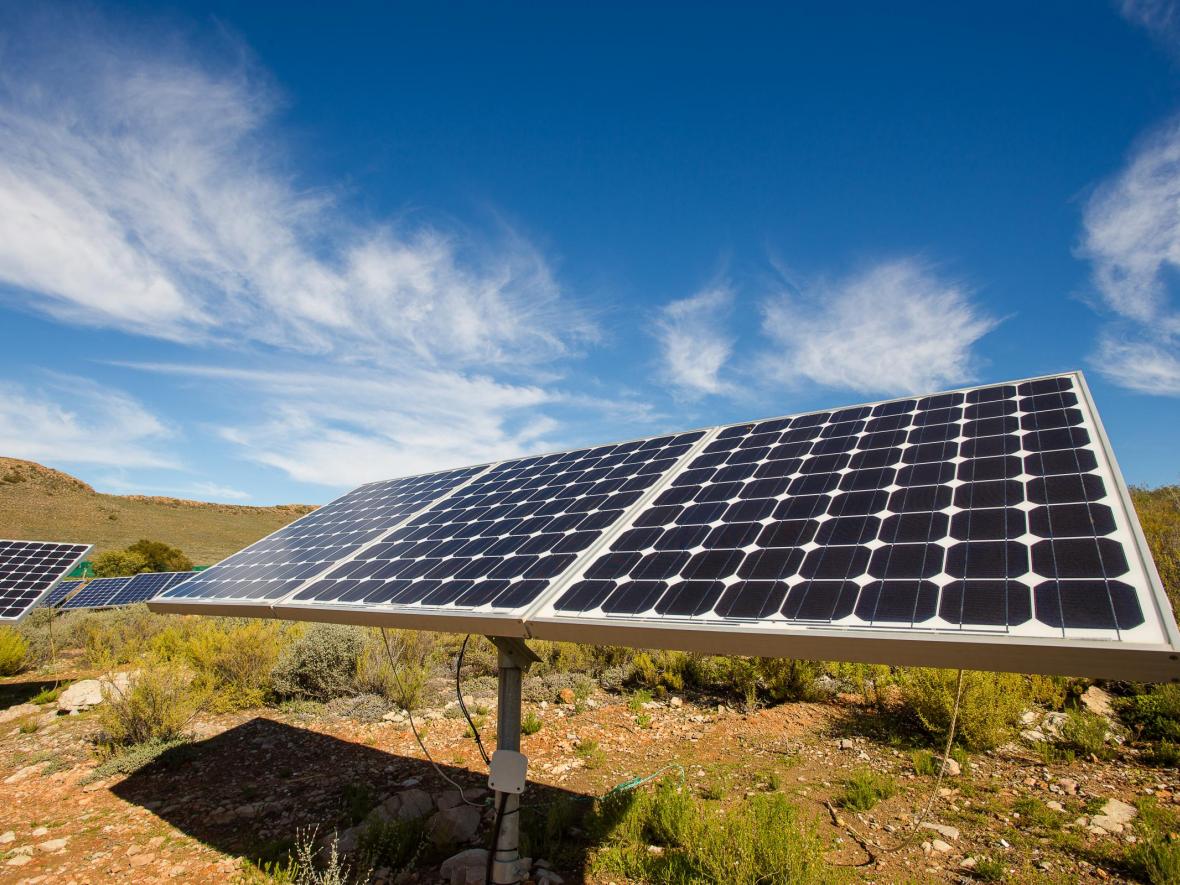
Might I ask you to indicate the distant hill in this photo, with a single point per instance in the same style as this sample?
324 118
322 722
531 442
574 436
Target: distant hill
43 504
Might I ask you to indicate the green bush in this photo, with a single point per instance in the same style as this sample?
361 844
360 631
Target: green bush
119 563
761 840
1154 716
233 658
864 789
158 705
160 557
1155 857
1159 514
530 723
393 844
1163 754
14 652
1085 732
320 664
989 710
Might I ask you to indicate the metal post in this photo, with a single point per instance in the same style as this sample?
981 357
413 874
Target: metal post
508 738
515 656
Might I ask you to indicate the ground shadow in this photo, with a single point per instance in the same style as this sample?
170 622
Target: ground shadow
250 789
13 693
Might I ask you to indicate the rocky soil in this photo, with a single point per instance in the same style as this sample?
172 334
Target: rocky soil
251 780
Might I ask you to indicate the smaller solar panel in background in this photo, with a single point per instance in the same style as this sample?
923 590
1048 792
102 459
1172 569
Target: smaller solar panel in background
57 595
500 540
143 587
28 569
279 564
99 593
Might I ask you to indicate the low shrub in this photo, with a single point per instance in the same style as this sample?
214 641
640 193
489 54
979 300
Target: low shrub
530 723
362 708
1163 754
864 789
119 563
320 664
1154 715
233 658
1155 857
14 652
157 705
129 760
392 844
762 840
1035 813
1085 732
989 709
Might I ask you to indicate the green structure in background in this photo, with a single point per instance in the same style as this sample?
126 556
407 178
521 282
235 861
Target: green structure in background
85 569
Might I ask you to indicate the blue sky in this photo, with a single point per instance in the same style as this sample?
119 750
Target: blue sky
263 253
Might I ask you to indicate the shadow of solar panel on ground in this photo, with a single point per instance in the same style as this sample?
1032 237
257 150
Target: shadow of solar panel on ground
248 791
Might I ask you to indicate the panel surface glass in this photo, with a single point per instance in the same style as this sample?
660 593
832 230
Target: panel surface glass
99 593
29 570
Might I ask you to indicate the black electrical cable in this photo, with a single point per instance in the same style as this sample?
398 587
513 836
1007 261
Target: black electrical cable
500 805
463 706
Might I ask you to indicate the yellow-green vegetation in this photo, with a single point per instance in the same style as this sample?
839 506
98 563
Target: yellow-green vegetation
530 723
1153 714
989 707
864 789
988 869
142 556
763 839
232 659
14 652
1085 732
39 502
590 753
1155 858
157 705
1159 514
1035 813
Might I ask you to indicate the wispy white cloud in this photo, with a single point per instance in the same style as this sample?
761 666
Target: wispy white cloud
1160 17
146 190
347 425
897 327
72 420
1131 235
694 344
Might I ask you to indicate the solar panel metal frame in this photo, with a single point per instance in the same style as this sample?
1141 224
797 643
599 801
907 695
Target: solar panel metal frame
85 598
1153 661
36 602
1149 662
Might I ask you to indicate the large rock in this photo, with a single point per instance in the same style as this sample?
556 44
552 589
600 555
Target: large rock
406 805
89 693
466 868
1115 816
453 826
1098 701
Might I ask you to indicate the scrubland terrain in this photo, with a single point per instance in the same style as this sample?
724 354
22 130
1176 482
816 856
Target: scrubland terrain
153 748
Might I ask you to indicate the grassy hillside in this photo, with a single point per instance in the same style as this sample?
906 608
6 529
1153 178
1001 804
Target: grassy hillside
40 503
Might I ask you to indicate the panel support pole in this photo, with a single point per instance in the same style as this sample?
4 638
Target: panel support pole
508 766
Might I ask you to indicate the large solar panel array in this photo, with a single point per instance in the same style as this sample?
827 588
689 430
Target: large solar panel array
980 522
98 593
29 570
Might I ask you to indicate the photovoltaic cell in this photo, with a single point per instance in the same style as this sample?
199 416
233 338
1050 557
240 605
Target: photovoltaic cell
29 570
99 593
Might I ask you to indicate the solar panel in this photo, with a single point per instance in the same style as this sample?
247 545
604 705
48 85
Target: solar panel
991 518
29 570
250 580
99 593
144 586
58 594
986 527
